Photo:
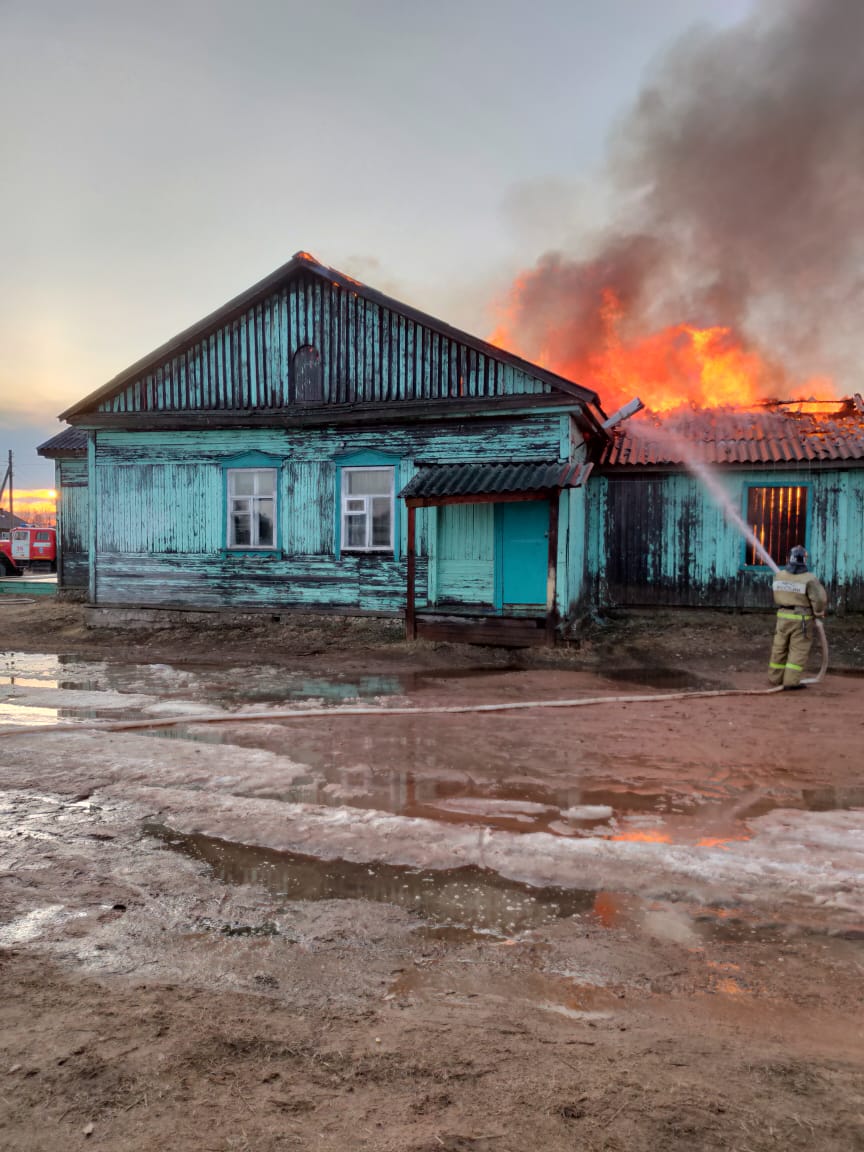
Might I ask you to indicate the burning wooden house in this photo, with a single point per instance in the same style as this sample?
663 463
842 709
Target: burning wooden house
793 472
315 445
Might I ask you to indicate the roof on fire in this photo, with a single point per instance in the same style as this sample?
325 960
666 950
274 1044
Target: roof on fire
775 433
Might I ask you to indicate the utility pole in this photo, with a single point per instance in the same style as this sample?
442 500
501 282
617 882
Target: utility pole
7 479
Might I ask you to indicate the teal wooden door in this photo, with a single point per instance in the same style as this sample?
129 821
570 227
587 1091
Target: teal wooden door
522 538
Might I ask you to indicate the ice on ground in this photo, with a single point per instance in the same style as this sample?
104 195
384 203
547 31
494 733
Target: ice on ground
479 806
31 925
71 698
190 708
78 758
793 855
588 812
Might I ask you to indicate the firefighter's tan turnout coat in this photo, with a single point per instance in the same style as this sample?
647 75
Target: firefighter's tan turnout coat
798 596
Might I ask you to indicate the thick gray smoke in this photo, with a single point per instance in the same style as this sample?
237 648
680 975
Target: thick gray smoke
741 180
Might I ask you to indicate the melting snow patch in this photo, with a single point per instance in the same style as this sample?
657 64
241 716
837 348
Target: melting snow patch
32 925
814 856
588 812
477 806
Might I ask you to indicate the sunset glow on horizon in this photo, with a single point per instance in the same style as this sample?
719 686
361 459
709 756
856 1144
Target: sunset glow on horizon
38 505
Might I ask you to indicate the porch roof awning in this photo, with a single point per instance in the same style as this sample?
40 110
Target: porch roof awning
440 482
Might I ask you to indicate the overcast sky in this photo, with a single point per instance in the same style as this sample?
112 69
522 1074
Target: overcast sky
158 158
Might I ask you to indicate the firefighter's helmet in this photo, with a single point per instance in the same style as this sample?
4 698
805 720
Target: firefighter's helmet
798 554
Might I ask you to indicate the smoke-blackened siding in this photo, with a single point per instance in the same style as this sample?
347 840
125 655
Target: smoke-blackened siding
369 353
658 539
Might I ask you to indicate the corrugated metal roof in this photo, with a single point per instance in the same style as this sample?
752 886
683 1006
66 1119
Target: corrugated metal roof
776 434
69 442
441 480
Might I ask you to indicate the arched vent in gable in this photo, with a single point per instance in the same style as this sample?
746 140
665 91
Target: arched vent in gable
308 380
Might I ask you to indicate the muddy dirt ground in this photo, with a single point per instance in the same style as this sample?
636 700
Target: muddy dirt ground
630 926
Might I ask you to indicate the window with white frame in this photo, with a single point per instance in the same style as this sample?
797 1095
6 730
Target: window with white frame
251 507
367 509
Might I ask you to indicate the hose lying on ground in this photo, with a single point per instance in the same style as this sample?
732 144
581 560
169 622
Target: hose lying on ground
823 645
430 710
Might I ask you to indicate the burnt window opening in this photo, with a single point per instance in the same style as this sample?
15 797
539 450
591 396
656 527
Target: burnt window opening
778 518
308 382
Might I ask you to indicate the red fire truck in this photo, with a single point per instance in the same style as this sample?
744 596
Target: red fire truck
28 549
8 567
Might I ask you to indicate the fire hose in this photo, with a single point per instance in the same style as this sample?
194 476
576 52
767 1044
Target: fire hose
823 646
430 710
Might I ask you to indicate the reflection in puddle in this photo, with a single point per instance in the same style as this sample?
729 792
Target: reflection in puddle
26 669
469 898
461 903
26 715
227 686
404 767
714 818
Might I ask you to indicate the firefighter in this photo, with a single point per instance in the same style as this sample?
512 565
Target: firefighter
799 597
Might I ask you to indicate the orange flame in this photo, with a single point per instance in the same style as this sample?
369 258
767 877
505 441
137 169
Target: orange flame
680 365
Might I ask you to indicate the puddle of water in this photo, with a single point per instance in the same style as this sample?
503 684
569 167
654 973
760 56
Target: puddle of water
712 817
26 716
467 898
215 683
404 767
31 670
464 903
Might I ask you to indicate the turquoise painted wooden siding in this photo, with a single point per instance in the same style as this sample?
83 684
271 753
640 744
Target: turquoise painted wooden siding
659 539
73 517
466 555
463 558
848 589
368 354
160 517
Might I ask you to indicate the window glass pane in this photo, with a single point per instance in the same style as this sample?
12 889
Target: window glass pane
355 504
242 483
368 481
381 522
266 482
241 535
265 523
355 531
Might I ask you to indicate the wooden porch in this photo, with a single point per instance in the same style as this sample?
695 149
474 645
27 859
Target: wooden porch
490 483
494 631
